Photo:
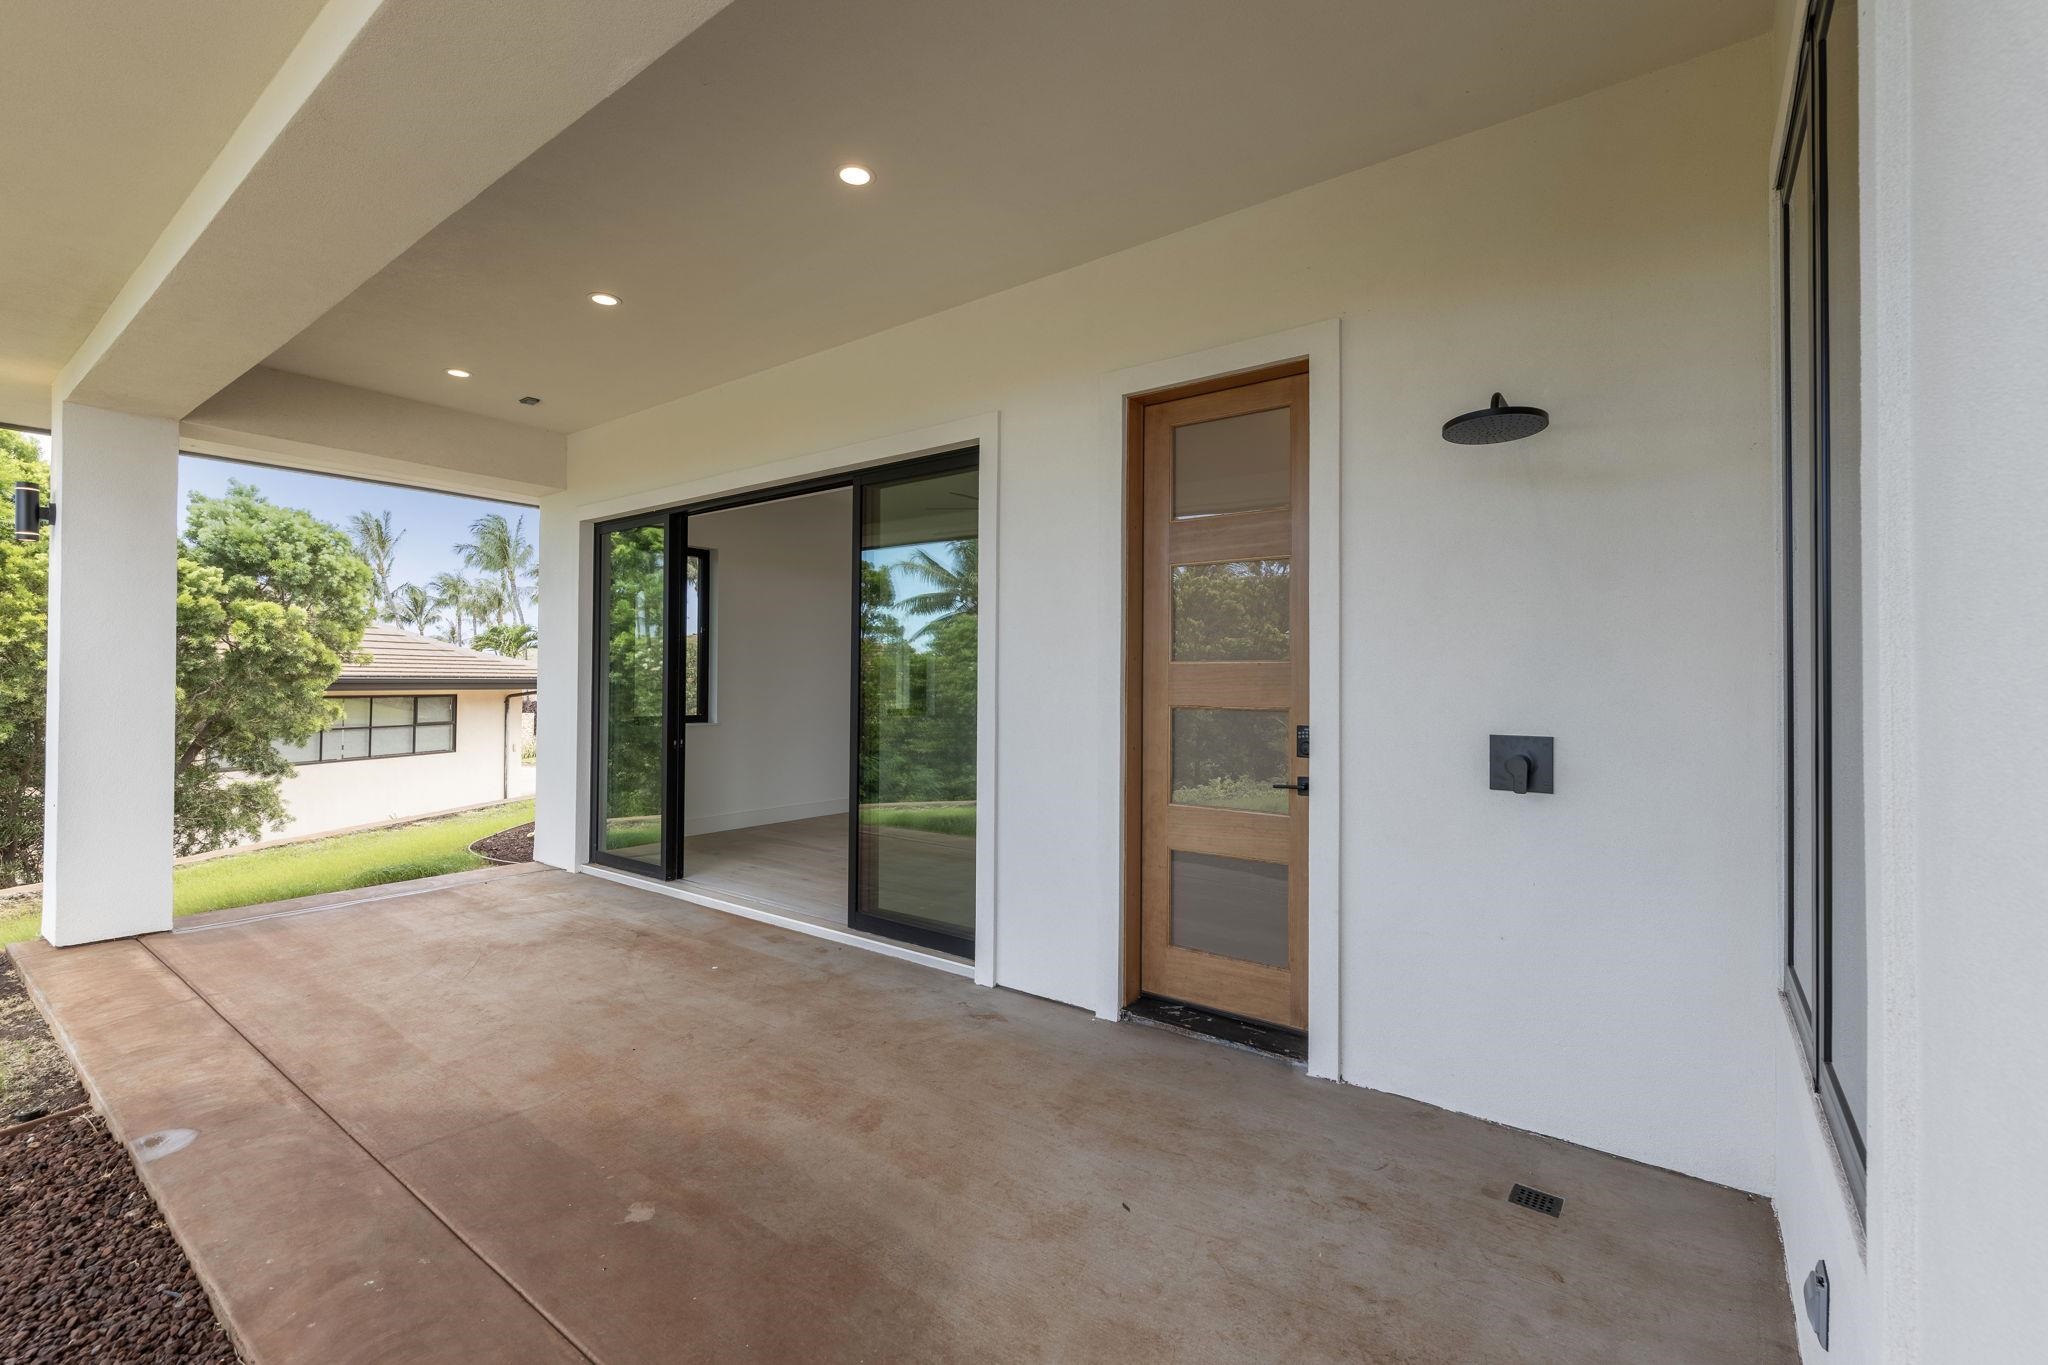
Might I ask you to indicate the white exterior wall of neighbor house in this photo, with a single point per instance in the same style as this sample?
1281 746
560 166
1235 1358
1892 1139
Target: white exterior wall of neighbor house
1599 964
329 796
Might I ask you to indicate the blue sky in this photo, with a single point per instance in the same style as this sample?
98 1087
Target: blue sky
434 523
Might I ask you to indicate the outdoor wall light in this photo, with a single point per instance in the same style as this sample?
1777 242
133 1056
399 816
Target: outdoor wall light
1495 423
31 513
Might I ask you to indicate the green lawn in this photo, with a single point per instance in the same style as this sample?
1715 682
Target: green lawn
371 858
934 817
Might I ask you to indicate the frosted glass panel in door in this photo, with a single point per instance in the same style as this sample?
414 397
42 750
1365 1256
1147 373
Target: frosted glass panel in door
1232 464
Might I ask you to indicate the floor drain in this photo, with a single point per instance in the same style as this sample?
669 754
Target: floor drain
1536 1199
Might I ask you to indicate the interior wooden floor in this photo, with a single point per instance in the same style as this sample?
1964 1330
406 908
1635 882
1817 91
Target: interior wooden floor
798 867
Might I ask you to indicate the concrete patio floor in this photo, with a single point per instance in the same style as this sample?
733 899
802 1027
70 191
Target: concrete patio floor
523 1115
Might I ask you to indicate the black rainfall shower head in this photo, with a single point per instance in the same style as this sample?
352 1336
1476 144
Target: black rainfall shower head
1494 424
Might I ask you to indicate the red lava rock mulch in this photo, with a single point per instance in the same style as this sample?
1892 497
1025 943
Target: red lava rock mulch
34 1077
90 1270
514 845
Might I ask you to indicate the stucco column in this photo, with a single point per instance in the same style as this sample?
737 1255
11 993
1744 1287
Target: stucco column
113 640
561 722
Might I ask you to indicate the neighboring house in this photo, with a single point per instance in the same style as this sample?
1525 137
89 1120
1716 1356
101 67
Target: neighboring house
426 726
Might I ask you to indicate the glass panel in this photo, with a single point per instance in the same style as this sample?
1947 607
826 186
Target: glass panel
694 620
920 581
1800 513
631 562
1232 464
309 752
1230 906
436 708
1231 759
387 741
432 739
1238 610
391 711
1847 1030
337 744
355 711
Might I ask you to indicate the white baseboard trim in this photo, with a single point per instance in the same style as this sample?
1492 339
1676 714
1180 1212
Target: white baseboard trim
747 819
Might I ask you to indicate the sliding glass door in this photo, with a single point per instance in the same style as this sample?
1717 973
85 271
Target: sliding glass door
912 591
631 777
914 727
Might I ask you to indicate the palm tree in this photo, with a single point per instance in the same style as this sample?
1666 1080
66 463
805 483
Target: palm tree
502 551
413 608
487 602
512 641
955 587
377 543
452 593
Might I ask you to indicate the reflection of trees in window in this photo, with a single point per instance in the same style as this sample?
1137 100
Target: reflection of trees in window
1231 611
918 728
633 672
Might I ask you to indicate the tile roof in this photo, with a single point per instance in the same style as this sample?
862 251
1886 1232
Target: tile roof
400 658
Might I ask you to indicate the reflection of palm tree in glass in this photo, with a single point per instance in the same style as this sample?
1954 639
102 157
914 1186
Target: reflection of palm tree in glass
954 588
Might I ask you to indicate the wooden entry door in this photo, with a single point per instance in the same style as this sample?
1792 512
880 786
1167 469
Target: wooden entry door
1221 703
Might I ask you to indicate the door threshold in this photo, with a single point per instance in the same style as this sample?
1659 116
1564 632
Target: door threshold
735 905
1219 1028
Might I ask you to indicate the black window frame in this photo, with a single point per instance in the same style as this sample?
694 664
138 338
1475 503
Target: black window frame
701 713
370 728
1806 137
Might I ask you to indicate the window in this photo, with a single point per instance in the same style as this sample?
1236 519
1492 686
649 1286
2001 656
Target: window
380 727
1824 949
696 636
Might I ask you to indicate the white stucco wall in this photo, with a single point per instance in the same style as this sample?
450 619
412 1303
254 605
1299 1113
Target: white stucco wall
1598 964
329 796
112 676
777 745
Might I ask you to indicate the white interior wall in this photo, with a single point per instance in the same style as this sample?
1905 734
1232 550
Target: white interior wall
777 745
1598 964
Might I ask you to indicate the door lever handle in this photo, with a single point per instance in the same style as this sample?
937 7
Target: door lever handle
1299 786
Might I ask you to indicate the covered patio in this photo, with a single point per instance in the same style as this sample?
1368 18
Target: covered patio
524 1115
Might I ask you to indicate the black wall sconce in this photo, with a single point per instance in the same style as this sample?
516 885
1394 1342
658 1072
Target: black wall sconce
1495 423
31 513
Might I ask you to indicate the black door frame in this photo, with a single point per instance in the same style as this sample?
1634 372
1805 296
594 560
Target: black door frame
600 613
674 764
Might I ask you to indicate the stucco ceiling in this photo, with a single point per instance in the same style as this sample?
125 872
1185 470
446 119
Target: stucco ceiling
111 112
1008 141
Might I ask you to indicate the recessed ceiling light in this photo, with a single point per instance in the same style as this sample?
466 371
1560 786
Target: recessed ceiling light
605 300
856 175
458 374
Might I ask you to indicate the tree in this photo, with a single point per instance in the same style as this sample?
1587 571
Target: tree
514 640
413 608
271 604
954 587
486 602
453 593
501 552
378 545
24 622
